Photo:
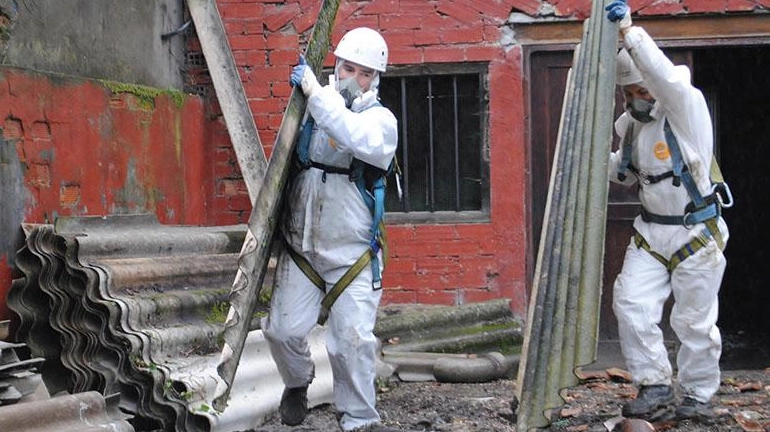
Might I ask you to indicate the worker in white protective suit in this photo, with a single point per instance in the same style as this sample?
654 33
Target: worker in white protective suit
328 226
666 149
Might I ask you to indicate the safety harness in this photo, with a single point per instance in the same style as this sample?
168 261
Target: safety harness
371 183
700 209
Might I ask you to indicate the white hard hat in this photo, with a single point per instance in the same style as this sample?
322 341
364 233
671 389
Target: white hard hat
365 47
626 72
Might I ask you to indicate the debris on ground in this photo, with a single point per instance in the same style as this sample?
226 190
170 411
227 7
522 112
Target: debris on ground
741 404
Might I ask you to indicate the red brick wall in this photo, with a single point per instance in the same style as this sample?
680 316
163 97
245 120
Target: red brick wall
442 264
89 151
84 150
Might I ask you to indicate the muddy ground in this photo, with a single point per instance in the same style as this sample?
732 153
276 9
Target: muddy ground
742 404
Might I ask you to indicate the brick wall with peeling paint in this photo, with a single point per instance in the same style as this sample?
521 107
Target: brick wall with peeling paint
71 147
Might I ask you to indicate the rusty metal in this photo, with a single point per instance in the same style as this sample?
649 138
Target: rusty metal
563 317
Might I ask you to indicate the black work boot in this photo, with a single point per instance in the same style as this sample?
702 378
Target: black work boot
693 409
649 399
293 405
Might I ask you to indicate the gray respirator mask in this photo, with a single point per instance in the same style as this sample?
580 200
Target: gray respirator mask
349 89
640 109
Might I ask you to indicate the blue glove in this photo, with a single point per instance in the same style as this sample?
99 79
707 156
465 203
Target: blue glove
617 10
298 72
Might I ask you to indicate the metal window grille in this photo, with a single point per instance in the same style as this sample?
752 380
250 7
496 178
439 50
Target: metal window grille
442 121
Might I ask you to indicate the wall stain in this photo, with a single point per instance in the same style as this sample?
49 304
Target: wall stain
145 94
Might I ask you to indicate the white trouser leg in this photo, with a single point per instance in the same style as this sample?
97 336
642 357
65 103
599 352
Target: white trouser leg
639 293
352 348
293 314
696 283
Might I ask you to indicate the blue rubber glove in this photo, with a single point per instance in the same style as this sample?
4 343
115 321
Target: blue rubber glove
302 76
618 10
298 72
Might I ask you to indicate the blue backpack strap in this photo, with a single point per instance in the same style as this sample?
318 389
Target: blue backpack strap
703 210
679 171
303 142
375 201
379 212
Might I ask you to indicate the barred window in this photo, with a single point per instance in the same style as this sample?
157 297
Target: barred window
442 150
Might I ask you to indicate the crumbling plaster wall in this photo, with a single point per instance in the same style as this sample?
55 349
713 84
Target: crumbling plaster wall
116 40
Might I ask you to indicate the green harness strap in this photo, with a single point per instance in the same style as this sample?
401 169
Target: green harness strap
306 268
344 281
680 255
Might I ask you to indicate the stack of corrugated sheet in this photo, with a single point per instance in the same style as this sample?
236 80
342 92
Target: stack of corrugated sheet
18 378
563 317
124 305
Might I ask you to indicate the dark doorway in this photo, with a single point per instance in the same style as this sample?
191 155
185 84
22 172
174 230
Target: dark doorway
737 83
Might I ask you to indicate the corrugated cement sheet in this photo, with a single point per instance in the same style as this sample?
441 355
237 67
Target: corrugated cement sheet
124 305
563 318
81 412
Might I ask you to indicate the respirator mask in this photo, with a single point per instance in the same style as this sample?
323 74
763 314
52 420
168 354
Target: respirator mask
349 89
640 109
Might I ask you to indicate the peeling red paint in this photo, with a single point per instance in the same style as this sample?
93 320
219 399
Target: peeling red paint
529 7
581 9
578 9
6 276
663 8
88 152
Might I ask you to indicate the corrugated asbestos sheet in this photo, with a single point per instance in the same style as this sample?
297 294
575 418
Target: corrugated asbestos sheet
124 305
81 412
563 318
18 378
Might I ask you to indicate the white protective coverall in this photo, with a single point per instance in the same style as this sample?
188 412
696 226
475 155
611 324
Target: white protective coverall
330 225
644 283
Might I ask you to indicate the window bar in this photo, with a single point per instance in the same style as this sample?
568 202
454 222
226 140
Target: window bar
431 180
457 142
483 149
404 148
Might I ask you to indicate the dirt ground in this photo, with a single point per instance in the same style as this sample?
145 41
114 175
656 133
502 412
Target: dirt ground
742 404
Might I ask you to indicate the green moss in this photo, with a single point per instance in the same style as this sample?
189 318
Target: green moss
145 94
486 328
5 34
221 340
217 313
204 408
503 345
